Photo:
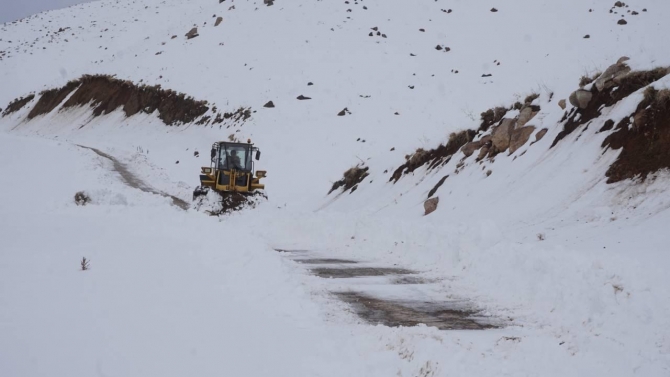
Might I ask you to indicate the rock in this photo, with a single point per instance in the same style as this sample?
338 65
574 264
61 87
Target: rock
268 2
342 113
623 59
622 22
302 98
562 104
580 98
494 10
192 33
430 205
612 73
525 116
502 134
470 148
218 21
540 135
483 152
269 105
519 137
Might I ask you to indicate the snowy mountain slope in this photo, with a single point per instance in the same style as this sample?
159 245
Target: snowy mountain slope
540 53
591 296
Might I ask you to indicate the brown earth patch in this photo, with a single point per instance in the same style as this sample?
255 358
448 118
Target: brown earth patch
17 104
50 99
235 202
105 94
607 98
646 145
351 179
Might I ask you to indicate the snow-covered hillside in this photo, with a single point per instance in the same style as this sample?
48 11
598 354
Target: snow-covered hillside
569 268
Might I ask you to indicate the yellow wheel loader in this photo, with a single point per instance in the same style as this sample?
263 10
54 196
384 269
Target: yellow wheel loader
231 170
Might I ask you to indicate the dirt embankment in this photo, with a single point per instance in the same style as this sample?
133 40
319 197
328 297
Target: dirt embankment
645 143
607 98
105 94
644 137
18 104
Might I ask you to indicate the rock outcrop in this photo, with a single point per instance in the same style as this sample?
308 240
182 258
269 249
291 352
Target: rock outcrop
430 205
520 137
613 74
581 98
526 115
502 134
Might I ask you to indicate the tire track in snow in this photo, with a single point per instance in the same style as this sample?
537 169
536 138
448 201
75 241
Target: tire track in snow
134 181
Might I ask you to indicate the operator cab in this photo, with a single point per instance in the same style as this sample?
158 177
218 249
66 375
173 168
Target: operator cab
235 156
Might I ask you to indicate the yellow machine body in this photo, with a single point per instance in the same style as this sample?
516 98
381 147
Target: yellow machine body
231 169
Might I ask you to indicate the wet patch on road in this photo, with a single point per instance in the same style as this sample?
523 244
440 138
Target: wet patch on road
290 251
412 280
354 272
407 313
393 296
326 261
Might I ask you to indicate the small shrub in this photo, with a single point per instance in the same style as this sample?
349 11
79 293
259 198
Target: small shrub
417 156
586 80
491 117
541 237
658 98
85 264
81 198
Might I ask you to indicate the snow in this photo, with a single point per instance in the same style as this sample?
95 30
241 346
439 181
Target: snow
173 292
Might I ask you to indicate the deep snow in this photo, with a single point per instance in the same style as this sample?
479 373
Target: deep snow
175 293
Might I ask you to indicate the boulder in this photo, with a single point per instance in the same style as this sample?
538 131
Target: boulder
562 104
430 205
613 74
269 105
525 116
218 21
540 135
519 137
580 98
501 135
484 151
470 148
192 33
